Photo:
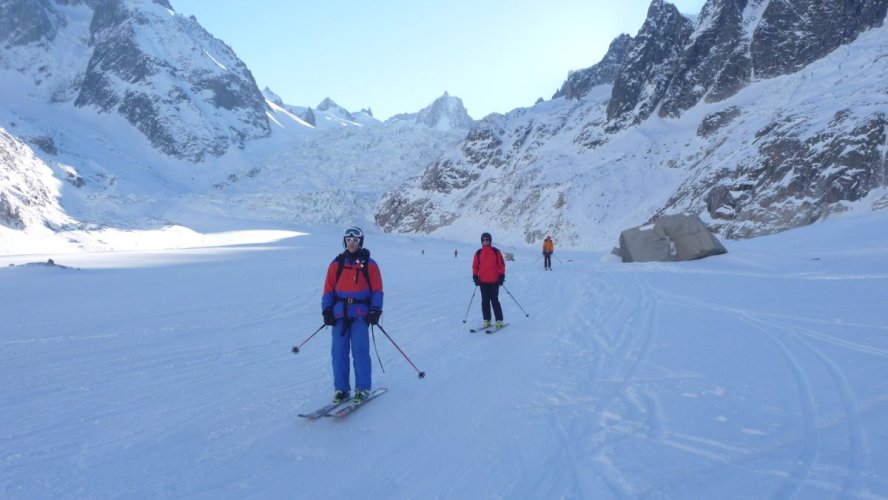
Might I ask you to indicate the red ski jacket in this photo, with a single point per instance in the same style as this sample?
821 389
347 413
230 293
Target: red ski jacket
352 288
488 264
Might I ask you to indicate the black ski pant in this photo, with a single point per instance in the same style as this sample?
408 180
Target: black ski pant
490 296
547 260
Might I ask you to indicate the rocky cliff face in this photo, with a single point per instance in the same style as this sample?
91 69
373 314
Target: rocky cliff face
648 68
25 22
749 117
579 83
738 41
185 91
794 172
673 65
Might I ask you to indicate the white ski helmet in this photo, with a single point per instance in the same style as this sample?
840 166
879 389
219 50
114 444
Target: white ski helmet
353 232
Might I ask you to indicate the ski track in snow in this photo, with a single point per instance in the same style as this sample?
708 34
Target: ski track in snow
794 343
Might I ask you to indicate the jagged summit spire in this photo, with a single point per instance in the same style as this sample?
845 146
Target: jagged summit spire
444 113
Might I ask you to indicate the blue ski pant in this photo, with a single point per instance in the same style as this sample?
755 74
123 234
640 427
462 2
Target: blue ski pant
351 334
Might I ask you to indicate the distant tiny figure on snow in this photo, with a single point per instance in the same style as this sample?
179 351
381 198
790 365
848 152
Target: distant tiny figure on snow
455 253
489 273
548 250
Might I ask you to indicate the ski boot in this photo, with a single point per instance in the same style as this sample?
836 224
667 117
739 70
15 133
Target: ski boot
361 395
340 396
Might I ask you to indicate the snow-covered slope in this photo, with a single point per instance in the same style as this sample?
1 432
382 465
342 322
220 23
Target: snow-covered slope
757 374
28 191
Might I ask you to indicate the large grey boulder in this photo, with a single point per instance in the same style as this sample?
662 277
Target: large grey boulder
671 238
645 244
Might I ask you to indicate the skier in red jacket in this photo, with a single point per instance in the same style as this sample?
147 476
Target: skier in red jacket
489 273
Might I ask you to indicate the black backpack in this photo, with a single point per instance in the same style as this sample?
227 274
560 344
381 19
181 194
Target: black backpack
364 258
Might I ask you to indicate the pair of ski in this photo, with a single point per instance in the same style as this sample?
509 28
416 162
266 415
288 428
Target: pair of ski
342 408
488 329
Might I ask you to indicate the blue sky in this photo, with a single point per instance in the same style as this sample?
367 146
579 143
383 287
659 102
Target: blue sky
397 56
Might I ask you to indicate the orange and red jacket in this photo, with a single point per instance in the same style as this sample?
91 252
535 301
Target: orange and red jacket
488 264
351 294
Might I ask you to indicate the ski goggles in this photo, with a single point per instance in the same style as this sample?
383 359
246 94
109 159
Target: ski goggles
353 232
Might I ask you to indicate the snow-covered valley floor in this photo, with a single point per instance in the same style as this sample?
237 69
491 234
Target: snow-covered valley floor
762 373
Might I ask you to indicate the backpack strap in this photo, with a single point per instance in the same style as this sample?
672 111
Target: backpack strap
340 263
495 250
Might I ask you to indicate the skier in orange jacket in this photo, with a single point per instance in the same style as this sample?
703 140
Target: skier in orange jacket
548 250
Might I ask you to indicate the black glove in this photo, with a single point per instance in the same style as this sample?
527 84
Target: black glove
329 319
373 316
476 280
501 280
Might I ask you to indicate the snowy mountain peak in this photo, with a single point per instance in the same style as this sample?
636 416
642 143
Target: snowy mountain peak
444 113
271 96
326 104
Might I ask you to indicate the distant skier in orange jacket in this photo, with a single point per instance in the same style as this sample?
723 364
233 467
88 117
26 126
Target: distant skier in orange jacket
548 250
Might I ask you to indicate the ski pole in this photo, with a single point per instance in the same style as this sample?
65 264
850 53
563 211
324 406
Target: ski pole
421 374
526 315
536 259
296 348
373 334
470 304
